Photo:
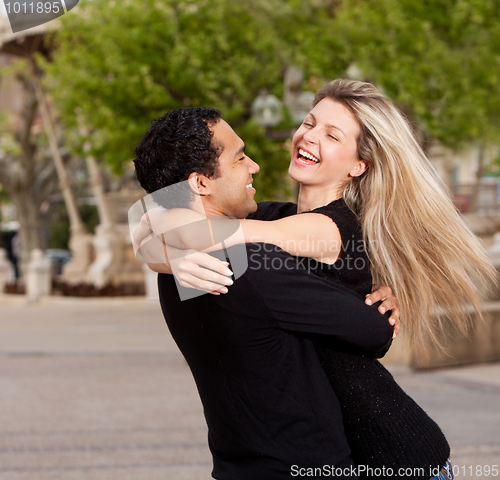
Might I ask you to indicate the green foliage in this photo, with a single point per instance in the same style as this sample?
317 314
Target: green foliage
123 64
439 59
58 226
59 234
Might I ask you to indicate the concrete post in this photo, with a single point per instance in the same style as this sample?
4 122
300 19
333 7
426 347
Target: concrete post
6 269
151 283
39 276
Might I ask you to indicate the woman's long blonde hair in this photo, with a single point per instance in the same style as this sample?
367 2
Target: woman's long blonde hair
418 243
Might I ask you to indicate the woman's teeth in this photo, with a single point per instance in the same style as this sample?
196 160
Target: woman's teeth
304 154
249 185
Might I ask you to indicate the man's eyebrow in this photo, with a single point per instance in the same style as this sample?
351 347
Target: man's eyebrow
240 150
328 125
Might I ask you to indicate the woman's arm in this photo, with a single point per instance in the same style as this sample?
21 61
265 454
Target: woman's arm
308 235
202 271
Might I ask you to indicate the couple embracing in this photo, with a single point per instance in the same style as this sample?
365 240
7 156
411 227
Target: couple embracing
284 356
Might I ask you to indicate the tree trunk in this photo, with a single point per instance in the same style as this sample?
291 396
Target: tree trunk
76 223
28 176
95 179
30 226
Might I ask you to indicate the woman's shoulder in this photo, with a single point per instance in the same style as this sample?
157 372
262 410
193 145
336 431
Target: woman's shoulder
338 209
345 219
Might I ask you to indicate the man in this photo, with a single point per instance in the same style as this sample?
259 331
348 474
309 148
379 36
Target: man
270 410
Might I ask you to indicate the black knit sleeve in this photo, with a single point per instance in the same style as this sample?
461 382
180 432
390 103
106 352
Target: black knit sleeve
342 216
352 268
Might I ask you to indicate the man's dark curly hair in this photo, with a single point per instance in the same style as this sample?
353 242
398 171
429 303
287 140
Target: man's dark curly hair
177 144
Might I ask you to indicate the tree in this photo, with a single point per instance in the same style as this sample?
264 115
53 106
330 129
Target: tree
438 59
27 172
123 64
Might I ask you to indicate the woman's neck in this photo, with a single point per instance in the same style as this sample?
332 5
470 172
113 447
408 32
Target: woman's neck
311 197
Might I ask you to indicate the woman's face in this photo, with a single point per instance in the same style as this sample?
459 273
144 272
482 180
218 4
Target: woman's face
324 149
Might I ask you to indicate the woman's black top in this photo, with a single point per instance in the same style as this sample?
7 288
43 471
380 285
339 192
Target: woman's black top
384 427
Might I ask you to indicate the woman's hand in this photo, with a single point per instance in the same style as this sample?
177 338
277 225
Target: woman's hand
202 271
192 269
389 303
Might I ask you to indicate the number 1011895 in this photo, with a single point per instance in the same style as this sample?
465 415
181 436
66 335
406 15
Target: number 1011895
33 7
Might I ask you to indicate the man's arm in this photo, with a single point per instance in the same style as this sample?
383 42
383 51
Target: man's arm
303 302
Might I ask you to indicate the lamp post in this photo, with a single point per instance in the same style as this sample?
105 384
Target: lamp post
267 109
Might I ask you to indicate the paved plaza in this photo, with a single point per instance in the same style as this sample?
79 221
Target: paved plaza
95 389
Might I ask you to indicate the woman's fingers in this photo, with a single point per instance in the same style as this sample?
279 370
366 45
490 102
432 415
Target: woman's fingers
380 292
203 272
389 304
190 281
212 263
397 326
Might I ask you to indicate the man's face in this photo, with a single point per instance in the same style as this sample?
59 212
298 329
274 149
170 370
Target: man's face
231 194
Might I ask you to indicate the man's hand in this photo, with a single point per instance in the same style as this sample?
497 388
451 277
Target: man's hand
389 303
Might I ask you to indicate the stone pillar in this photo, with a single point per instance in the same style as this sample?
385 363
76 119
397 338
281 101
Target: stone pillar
494 253
6 270
151 283
109 256
38 276
494 250
75 271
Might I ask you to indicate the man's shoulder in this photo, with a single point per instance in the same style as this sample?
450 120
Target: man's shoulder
273 210
269 258
270 269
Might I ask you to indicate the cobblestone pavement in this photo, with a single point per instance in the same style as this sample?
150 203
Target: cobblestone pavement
97 390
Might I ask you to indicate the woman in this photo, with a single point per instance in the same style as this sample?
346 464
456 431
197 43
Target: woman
356 153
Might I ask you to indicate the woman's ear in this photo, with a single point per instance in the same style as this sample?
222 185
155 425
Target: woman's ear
360 168
198 184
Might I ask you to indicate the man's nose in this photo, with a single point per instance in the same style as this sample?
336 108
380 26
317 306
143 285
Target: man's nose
253 167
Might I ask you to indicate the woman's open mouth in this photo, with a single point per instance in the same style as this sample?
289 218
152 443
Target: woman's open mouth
305 159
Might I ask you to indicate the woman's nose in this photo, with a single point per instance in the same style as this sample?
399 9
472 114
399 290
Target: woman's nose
311 136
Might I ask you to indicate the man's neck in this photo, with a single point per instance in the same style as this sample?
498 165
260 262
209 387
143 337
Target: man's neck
206 208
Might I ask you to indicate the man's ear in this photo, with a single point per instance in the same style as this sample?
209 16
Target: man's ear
199 184
360 168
